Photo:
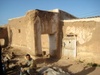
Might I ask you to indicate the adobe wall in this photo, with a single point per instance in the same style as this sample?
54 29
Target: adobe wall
46 23
21 33
25 32
88 38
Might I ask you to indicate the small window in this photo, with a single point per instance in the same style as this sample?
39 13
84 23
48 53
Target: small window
19 30
70 35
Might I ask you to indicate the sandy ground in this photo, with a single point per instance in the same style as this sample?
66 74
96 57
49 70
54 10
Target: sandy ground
74 67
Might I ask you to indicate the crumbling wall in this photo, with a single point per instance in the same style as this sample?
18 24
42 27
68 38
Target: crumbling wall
88 39
65 16
21 33
25 32
45 23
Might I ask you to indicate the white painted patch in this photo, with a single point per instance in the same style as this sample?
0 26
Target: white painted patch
83 35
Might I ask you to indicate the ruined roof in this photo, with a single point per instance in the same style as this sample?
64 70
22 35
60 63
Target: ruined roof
63 14
54 10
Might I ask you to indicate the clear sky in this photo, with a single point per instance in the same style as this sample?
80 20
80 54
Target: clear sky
79 8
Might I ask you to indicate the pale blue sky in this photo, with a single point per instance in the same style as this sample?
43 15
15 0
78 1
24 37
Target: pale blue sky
79 8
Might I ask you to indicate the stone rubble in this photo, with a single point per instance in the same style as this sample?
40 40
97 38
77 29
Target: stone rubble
52 71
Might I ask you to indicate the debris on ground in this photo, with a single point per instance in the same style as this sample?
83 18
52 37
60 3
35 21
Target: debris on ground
52 71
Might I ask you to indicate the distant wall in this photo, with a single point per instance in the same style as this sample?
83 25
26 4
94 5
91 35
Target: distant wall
87 40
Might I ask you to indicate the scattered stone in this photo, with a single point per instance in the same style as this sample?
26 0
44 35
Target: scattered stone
52 71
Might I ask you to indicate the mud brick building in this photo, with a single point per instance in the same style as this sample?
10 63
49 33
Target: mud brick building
58 33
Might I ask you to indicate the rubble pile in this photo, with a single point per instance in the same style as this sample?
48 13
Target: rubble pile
52 71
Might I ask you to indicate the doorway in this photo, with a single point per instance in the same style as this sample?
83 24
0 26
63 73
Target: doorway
48 44
45 43
69 46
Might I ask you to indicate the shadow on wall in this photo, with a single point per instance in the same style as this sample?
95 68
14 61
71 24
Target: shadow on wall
61 24
3 37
